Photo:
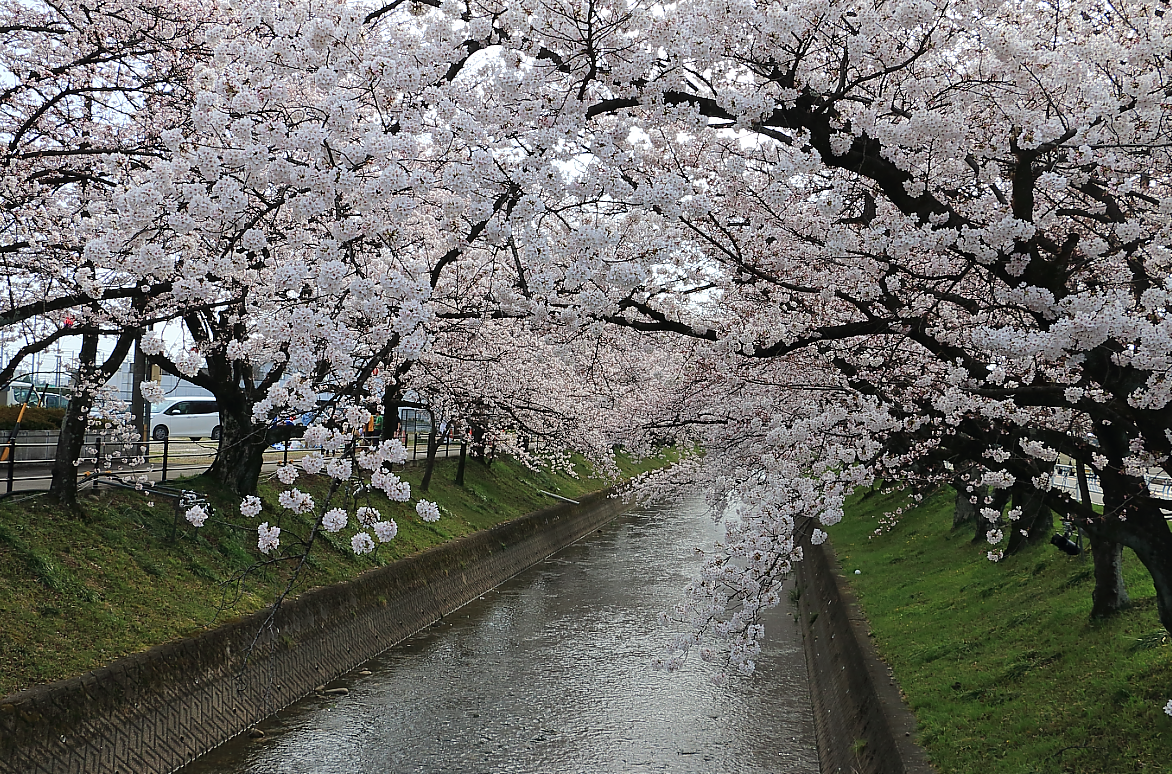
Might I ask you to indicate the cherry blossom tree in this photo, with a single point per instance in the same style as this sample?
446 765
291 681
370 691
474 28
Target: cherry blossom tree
83 90
310 204
875 237
962 208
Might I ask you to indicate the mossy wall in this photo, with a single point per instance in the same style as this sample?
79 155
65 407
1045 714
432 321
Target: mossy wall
158 710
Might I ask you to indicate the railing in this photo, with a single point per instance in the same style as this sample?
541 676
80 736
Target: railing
1065 477
33 469
28 465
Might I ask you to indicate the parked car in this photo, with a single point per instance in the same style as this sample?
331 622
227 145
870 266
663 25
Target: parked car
194 418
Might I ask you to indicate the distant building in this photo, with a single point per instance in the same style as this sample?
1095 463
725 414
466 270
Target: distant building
174 387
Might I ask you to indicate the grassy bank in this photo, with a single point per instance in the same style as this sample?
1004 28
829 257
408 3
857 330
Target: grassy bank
1000 662
79 590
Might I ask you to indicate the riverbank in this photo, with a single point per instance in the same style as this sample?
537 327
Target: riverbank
79 590
549 673
1001 664
154 711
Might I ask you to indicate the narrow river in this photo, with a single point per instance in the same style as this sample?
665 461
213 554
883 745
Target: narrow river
549 673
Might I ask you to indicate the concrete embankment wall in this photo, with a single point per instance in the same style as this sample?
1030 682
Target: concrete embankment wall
860 720
157 710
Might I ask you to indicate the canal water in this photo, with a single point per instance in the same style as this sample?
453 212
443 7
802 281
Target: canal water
549 673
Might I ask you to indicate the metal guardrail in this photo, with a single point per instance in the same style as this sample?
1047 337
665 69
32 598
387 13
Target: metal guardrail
163 459
101 455
1065 478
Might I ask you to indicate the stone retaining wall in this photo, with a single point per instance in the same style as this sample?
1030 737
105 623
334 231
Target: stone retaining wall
157 710
860 720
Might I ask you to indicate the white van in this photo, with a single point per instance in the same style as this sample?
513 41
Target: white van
193 418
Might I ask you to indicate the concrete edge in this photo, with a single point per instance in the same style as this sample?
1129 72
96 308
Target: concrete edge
862 724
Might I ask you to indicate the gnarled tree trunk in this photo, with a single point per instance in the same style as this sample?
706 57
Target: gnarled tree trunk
240 457
1152 542
90 376
1036 520
966 510
1132 518
1110 593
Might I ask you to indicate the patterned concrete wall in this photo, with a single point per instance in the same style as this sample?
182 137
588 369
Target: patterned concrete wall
860 720
157 710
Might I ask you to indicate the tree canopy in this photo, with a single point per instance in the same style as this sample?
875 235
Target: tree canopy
832 241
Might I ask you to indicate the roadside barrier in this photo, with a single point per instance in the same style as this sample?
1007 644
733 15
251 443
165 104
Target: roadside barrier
28 464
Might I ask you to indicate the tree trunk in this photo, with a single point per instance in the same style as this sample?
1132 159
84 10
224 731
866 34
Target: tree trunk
240 457
391 396
63 486
1110 593
1146 533
429 465
242 445
1131 518
1036 520
1153 546
966 510
139 408
90 377
463 460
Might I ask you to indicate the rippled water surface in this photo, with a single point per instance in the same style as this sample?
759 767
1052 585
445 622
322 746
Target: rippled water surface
548 673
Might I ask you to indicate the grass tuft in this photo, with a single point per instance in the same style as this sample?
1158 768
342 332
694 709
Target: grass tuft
1151 641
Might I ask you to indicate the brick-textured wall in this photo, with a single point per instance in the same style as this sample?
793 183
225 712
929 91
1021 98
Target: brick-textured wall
157 710
860 720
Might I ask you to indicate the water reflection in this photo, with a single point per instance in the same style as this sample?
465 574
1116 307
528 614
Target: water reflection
549 673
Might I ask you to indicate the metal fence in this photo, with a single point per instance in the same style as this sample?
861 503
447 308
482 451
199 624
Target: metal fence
28 463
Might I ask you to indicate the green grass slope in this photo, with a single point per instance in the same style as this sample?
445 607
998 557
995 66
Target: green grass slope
1001 663
78 590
